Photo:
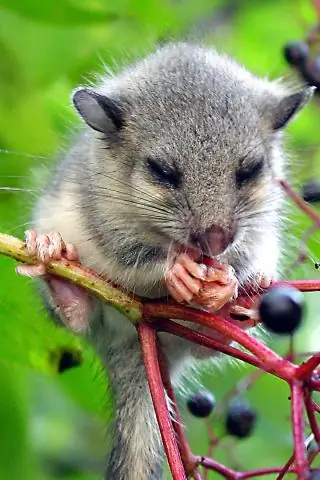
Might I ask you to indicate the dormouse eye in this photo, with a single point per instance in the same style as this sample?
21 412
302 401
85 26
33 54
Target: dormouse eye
166 175
250 172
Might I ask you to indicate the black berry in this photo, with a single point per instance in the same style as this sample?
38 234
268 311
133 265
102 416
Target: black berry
201 404
296 53
311 191
241 419
310 72
281 309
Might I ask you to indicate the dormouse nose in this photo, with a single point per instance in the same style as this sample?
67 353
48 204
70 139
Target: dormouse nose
216 239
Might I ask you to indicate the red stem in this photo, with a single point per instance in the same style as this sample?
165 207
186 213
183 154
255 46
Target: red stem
302 285
304 206
147 337
306 368
262 472
313 455
273 362
197 475
231 474
314 385
301 459
211 464
189 460
166 325
311 416
213 441
286 468
315 406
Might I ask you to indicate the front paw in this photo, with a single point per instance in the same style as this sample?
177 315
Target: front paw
221 287
184 278
207 286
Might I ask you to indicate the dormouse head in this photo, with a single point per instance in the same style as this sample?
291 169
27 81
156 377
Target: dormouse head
199 140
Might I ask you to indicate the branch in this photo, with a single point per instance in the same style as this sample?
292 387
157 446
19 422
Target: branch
148 342
300 451
168 326
273 362
309 404
78 274
301 204
188 459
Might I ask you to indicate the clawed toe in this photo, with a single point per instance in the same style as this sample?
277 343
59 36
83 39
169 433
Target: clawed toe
178 289
215 296
196 283
183 279
31 271
45 247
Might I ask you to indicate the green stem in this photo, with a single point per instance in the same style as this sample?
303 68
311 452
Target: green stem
76 273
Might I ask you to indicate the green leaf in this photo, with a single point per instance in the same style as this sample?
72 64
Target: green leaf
16 459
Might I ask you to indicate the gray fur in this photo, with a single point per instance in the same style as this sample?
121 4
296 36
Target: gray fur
201 113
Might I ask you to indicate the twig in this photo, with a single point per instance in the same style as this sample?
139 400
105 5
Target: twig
301 458
189 460
315 406
273 362
261 472
148 344
301 204
76 273
302 285
286 468
306 368
311 416
211 464
166 325
213 441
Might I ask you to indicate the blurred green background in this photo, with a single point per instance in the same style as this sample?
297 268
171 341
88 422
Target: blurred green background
52 425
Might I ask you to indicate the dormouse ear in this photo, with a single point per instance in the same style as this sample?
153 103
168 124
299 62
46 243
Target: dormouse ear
289 106
100 112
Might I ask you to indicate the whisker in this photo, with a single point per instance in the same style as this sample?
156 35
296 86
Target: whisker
18 189
23 154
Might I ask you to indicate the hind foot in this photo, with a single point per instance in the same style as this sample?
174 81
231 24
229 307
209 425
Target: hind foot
45 248
71 302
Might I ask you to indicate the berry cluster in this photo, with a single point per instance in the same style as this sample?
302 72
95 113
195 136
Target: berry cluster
240 417
281 310
298 55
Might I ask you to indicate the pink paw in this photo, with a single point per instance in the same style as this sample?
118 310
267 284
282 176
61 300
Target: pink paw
207 286
45 248
221 287
184 278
